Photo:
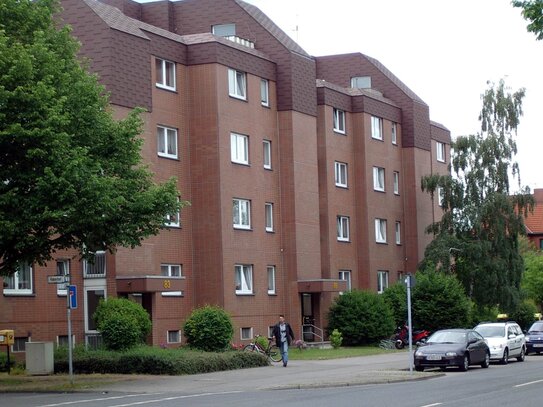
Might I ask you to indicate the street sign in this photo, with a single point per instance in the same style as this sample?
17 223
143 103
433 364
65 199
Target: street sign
72 292
57 279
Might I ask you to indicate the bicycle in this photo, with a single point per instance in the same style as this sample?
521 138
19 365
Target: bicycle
271 351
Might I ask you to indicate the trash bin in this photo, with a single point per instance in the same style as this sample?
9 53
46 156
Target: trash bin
39 358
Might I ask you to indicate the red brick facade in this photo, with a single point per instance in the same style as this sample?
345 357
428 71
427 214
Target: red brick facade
122 44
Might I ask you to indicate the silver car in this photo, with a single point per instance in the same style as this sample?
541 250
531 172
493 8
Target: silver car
505 340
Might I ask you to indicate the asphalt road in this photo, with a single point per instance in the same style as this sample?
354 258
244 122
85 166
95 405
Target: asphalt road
515 384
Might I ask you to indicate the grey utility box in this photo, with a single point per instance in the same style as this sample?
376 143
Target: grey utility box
39 358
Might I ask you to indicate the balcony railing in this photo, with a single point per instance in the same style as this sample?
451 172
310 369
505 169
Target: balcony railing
241 41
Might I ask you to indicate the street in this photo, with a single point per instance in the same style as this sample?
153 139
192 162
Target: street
513 384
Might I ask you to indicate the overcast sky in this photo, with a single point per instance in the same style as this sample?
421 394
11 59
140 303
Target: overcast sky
445 51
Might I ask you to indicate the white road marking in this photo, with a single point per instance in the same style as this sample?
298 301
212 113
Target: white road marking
175 398
526 384
432 405
66 403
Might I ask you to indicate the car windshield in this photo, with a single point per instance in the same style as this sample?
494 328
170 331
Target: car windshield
447 337
537 327
491 331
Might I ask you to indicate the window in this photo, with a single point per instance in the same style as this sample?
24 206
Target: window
165 74
343 228
440 152
239 145
170 270
380 230
224 30
244 279
341 174
271 279
339 121
96 267
382 281
346 276
264 92
394 133
174 336
166 141
541 244
63 269
19 344
267 154
246 334
396 176
398 233
379 179
62 340
269 217
376 128
440 195
173 219
361 82
237 87
20 282
241 213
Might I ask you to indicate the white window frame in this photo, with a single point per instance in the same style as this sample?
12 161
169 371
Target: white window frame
171 270
173 221
440 196
165 66
365 81
343 228
166 141
379 179
382 281
271 279
100 261
266 146
241 213
246 333
339 120
237 84
346 275
243 277
376 128
27 280
396 181
440 152
398 232
239 148
268 215
176 333
380 230
264 92
340 174
63 269
394 133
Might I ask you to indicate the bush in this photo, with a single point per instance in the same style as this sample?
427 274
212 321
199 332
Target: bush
4 361
362 317
395 297
524 315
439 301
483 314
209 329
122 323
336 339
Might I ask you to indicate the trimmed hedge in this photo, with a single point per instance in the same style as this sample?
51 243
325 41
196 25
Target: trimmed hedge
155 361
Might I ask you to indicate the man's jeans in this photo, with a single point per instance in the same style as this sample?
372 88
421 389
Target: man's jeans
284 351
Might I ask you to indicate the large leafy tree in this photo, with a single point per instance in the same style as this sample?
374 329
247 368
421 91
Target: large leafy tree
70 175
482 220
532 11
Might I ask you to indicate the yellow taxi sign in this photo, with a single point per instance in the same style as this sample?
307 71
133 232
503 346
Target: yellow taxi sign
7 337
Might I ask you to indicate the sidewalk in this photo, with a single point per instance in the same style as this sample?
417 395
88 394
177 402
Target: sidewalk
299 374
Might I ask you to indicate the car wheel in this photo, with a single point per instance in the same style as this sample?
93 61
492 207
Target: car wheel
486 362
522 355
419 368
465 366
505 358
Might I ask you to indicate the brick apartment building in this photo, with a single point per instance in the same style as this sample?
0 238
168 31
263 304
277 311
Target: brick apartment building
303 174
534 221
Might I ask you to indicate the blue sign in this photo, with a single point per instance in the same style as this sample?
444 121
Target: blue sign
72 292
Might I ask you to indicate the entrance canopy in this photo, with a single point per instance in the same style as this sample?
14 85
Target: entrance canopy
149 284
322 285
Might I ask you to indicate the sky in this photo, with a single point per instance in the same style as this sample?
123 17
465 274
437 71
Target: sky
445 51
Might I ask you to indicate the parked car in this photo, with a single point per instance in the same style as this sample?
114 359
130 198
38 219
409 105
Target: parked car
453 347
534 338
505 340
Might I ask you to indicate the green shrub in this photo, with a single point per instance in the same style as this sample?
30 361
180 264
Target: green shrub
524 314
395 297
336 339
439 301
4 361
483 314
262 341
362 317
122 323
209 329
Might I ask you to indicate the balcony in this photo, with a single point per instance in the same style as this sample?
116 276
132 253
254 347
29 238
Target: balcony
241 41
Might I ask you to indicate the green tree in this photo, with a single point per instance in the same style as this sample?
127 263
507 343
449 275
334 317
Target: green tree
209 329
532 280
395 297
532 11
70 175
477 237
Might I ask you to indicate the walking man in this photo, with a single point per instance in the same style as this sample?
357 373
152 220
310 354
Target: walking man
283 335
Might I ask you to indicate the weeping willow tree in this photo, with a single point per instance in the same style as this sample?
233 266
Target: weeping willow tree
478 236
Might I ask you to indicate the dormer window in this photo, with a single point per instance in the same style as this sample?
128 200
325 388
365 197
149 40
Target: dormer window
361 82
224 30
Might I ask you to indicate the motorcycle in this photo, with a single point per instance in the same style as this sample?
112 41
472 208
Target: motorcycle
401 337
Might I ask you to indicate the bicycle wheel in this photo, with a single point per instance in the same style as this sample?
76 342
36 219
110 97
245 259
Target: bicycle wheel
250 348
274 353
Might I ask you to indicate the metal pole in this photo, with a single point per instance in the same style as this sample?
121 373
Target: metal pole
410 330
69 312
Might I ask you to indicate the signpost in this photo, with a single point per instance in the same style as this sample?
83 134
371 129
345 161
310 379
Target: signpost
409 281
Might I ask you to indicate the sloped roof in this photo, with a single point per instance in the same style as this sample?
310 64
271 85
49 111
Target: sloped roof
372 93
534 221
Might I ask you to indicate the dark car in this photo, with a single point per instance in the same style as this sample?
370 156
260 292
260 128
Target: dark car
453 347
534 338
